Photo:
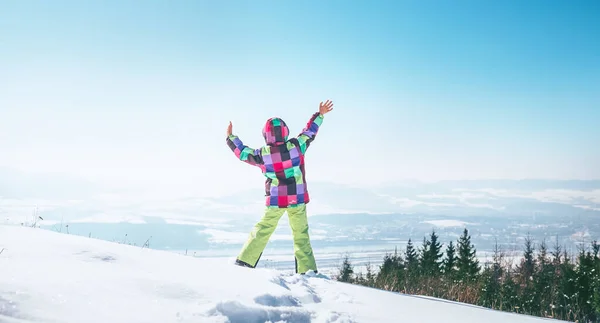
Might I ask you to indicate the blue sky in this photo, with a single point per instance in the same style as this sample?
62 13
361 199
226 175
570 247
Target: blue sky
133 92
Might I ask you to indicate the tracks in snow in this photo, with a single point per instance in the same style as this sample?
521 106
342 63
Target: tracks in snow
298 303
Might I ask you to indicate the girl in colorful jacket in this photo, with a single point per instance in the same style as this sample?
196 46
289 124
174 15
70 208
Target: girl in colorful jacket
281 160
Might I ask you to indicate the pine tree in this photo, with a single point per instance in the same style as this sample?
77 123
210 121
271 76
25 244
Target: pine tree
385 275
431 255
510 298
556 292
346 271
529 297
423 253
556 253
527 265
467 262
490 290
369 277
491 293
568 289
543 278
585 286
391 272
596 277
410 254
435 254
596 290
412 267
449 264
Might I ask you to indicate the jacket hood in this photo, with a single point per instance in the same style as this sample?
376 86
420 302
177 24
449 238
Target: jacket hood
275 131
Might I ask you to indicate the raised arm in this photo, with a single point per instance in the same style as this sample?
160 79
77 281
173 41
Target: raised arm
241 151
309 133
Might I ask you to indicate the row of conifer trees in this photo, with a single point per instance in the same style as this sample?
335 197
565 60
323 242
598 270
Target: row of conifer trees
543 282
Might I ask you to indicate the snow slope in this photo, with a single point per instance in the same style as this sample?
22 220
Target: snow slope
51 277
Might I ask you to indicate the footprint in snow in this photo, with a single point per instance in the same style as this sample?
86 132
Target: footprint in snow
236 312
277 301
8 308
97 256
303 290
105 258
334 317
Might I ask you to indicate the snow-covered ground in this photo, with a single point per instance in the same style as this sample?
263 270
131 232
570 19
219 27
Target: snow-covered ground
52 277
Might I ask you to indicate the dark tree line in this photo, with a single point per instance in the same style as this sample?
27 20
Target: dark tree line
545 283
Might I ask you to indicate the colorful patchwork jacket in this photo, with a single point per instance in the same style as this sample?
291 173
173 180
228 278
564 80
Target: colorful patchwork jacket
281 160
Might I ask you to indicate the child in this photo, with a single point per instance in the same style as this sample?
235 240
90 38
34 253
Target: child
282 163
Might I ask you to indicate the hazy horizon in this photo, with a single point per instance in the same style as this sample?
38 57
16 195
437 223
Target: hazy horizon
366 222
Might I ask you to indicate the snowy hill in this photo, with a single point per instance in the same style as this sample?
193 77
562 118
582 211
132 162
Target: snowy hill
51 277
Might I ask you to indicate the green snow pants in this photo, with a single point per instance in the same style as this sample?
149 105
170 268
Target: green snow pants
257 241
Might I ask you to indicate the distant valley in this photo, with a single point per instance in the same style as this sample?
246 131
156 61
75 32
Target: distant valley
365 222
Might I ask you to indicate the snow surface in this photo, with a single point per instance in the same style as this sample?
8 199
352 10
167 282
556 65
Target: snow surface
54 277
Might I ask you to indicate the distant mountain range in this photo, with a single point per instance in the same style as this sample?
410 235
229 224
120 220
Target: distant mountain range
61 198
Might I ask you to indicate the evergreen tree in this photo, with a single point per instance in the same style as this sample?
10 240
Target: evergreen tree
410 255
556 273
509 295
391 272
431 255
449 264
385 275
411 263
527 265
528 296
556 253
399 271
467 262
544 280
435 254
585 286
568 289
543 255
423 252
387 266
369 277
346 271
596 277
492 286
